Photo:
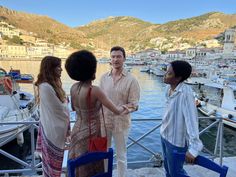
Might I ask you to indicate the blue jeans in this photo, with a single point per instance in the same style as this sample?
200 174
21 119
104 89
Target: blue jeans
171 165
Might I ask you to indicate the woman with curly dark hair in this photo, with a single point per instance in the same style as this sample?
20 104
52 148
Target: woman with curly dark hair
87 101
54 116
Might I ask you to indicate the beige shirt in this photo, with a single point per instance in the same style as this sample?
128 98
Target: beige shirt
125 91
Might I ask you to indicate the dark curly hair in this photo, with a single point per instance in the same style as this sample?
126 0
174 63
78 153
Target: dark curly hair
81 65
181 69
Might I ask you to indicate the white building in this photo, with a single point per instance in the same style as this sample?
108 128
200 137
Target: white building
147 54
61 51
191 52
176 54
39 51
13 51
229 43
9 30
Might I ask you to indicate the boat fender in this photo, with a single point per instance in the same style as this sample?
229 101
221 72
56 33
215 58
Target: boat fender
20 139
230 116
8 84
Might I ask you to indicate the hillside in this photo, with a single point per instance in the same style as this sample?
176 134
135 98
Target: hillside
44 27
132 33
202 27
136 34
116 31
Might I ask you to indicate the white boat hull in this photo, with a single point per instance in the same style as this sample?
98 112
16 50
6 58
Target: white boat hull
12 131
212 110
17 111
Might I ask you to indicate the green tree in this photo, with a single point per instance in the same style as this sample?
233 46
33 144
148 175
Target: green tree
75 45
164 51
5 37
15 40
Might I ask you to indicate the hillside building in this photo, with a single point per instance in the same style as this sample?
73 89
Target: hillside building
228 50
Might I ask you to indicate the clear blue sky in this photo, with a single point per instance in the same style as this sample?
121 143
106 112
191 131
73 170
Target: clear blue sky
77 12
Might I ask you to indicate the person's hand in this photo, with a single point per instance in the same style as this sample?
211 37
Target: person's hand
120 109
189 158
131 107
125 110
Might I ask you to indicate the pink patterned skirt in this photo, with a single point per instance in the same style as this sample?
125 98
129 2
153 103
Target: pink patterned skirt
52 156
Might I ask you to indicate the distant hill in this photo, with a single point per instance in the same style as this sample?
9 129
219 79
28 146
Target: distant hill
132 33
201 27
44 26
136 34
125 31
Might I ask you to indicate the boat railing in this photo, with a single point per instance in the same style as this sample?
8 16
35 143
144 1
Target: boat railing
33 165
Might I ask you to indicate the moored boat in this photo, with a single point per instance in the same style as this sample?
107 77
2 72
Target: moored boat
145 69
15 105
227 108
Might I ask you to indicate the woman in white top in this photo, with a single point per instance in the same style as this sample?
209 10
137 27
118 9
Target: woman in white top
179 130
54 116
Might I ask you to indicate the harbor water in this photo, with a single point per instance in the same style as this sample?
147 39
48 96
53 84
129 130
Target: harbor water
151 107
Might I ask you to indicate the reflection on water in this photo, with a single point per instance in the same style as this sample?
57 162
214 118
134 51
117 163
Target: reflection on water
151 106
209 138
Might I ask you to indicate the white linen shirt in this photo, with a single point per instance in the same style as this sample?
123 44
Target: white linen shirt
180 120
125 91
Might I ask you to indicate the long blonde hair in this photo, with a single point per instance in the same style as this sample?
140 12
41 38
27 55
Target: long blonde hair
47 74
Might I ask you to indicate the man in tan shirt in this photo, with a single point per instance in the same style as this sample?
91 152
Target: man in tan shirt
123 89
